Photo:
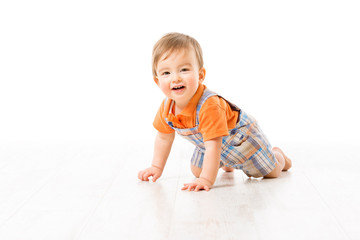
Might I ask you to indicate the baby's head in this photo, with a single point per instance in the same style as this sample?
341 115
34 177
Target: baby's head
173 42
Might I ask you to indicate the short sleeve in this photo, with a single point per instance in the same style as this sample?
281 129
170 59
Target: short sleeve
212 119
159 121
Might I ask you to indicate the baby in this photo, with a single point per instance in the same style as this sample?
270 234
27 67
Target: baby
224 135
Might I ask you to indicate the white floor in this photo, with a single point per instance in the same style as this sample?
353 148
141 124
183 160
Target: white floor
92 192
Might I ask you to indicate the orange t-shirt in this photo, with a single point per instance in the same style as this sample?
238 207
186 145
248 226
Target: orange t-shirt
216 117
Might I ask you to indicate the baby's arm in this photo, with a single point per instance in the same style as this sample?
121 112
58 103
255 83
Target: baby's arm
163 143
210 166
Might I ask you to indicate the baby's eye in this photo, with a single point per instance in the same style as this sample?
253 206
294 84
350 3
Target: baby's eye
165 73
184 70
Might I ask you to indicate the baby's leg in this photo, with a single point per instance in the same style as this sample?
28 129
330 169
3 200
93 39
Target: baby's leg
228 169
197 171
288 162
283 163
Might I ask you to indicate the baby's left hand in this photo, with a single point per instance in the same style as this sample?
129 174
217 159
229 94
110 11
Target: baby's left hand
198 184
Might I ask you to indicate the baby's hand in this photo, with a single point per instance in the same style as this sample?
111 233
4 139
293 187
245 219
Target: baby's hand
198 184
153 172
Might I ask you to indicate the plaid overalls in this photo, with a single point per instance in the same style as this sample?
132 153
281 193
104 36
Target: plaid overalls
245 148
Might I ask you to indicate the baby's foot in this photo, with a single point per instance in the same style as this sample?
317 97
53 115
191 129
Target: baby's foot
288 162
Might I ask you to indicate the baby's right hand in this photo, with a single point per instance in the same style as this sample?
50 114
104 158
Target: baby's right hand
153 172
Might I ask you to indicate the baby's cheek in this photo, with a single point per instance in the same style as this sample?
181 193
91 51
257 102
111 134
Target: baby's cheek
164 89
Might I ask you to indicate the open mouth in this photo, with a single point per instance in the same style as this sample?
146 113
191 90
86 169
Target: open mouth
177 88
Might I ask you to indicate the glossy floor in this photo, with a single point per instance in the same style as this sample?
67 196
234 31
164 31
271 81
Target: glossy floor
92 192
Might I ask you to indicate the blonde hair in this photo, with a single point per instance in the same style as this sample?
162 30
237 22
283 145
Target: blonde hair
172 42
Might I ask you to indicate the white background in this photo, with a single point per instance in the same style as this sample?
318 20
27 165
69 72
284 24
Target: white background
80 71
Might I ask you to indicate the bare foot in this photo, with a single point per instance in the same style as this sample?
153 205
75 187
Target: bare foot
228 169
288 162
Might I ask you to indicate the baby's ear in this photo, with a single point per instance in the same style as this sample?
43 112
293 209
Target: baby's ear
156 80
202 73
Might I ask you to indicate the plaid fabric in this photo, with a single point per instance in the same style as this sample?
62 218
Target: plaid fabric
245 148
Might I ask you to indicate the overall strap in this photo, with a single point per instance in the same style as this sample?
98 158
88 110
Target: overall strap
169 123
166 99
206 94
171 106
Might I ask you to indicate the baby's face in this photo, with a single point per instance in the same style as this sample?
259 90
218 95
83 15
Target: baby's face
178 76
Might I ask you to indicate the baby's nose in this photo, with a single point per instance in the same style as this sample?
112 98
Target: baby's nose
176 78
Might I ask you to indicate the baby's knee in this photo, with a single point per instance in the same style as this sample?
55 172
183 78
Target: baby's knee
196 171
228 169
